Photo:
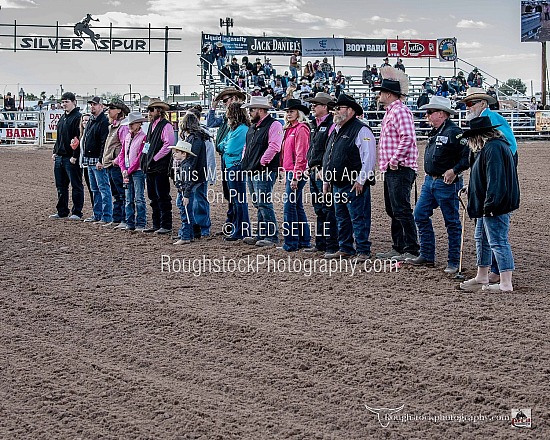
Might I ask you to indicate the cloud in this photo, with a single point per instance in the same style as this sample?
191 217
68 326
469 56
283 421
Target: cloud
393 33
471 24
466 45
377 19
113 2
18 4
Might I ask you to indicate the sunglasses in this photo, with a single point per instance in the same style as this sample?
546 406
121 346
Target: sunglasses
339 107
472 103
225 100
151 109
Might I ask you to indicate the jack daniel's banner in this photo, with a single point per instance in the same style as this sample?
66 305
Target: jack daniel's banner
273 45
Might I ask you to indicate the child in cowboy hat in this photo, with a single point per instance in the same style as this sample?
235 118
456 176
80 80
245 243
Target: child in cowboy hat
185 181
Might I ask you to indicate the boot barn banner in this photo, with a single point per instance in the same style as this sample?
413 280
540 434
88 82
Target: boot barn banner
412 48
355 47
273 45
322 47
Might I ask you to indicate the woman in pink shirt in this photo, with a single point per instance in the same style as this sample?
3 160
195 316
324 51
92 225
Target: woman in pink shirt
294 162
132 175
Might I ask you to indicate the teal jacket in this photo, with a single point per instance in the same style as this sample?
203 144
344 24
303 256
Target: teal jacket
232 145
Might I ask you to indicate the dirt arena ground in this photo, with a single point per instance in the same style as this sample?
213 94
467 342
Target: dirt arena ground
98 342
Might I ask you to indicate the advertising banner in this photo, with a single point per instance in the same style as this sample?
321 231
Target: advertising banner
542 120
357 47
273 45
446 48
322 47
412 48
234 45
51 118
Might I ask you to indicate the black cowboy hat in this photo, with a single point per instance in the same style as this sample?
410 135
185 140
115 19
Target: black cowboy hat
296 104
116 103
389 85
346 100
479 125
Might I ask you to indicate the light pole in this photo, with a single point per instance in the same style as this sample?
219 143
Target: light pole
227 23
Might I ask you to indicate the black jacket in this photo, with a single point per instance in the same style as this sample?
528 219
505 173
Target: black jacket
198 146
95 136
68 127
494 184
446 150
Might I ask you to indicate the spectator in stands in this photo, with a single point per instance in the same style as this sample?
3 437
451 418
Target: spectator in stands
442 87
285 80
9 105
399 64
234 68
308 72
294 64
338 83
207 58
461 82
319 74
492 92
472 77
454 87
326 68
268 68
220 52
316 64
367 76
256 91
386 63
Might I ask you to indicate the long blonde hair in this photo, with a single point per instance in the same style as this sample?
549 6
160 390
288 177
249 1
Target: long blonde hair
477 142
301 118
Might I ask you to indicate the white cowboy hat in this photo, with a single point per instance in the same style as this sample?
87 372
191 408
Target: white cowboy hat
257 102
133 117
439 103
183 146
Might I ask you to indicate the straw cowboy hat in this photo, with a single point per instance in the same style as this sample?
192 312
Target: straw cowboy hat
476 93
257 102
183 146
134 117
296 104
321 98
219 44
478 126
439 103
155 102
230 91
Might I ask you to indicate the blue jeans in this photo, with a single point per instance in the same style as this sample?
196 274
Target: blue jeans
187 218
260 187
397 199
65 172
491 236
236 183
353 214
103 200
293 72
436 193
201 210
136 208
118 193
326 236
220 61
295 226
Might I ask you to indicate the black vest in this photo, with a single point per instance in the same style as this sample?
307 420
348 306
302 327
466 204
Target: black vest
318 143
148 164
257 141
342 161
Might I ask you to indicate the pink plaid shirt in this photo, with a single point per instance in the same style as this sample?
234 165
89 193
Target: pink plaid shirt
397 145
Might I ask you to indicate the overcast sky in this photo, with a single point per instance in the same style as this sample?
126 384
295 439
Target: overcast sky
488 33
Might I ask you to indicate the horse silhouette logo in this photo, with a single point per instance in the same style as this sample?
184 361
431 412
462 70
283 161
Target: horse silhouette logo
384 413
83 27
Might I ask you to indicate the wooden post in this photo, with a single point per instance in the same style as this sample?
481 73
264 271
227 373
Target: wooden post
543 82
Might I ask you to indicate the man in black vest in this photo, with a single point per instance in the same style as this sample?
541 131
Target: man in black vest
326 236
348 170
155 162
260 162
445 158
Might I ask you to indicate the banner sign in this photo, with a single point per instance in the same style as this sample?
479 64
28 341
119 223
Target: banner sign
322 47
273 45
355 47
19 133
542 120
446 48
233 44
412 48
51 118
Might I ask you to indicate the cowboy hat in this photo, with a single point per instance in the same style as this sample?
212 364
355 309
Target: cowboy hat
133 117
230 91
219 44
439 103
296 104
321 98
155 102
479 125
257 102
477 93
183 146
116 103
389 85
345 100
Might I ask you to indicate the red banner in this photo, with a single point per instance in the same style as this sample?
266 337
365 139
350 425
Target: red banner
412 48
